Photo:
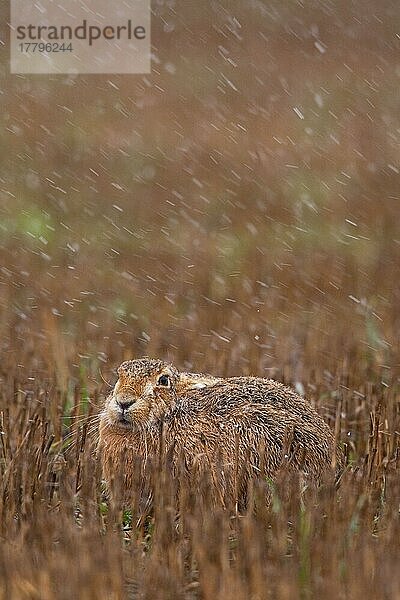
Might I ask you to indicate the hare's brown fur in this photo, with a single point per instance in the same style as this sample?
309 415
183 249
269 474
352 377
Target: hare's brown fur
243 425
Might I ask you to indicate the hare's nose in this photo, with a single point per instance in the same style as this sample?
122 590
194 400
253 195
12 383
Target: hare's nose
124 404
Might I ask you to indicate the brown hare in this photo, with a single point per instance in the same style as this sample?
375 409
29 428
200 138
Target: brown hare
238 428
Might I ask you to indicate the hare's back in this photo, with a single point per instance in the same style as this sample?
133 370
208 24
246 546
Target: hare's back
237 392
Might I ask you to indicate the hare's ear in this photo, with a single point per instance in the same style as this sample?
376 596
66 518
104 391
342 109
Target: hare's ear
194 381
123 368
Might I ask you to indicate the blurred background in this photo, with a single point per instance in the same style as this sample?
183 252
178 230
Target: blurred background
235 211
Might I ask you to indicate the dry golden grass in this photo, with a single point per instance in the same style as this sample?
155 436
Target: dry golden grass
61 540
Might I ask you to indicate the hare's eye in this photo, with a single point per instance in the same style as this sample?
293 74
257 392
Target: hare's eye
164 380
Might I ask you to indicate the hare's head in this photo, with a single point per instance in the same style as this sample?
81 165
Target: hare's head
144 393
